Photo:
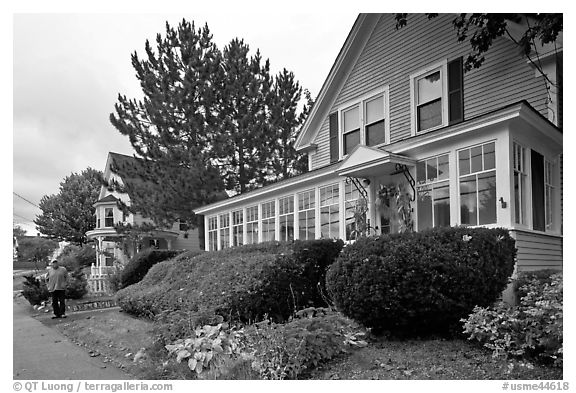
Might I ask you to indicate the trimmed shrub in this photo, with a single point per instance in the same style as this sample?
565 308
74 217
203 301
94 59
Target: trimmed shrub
532 329
136 269
239 284
77 285
421 283
35 290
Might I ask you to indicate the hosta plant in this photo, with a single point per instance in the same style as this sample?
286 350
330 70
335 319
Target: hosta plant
207 350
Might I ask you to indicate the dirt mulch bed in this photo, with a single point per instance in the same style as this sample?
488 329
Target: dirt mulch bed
430 359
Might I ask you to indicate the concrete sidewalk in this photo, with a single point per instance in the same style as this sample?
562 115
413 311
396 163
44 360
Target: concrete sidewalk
43 353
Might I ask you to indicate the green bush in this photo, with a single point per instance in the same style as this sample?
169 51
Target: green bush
77 285
239 284
35 290
421 283
532 329
136 269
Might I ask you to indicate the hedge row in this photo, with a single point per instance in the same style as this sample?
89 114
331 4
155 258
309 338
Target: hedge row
240 284
421 283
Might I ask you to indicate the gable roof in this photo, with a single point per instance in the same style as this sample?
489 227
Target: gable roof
347 57
107 198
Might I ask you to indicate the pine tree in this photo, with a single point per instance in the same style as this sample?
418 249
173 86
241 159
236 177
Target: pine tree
241 146
172 128
285 123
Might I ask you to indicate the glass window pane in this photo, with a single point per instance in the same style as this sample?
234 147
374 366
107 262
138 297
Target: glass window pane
487 198
351 119
443 168
351 140
464 162
421 171
468 200
424 207
431 171
489 156
430 115
441 196
429 88
375 134
476 159
375 110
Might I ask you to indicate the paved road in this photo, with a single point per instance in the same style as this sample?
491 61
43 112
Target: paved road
43 353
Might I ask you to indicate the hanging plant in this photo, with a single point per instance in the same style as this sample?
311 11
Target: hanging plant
393 202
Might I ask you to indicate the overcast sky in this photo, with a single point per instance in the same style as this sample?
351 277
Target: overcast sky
69 69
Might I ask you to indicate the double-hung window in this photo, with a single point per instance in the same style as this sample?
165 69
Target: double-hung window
268 221
330 211
477 179
350 128
433 187
307 215
286 216
108 217
224 230
429 100
437 96
252 225
362 123
212 233
237 228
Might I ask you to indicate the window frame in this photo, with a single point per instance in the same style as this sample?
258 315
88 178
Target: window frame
330 207
223 230
360 103
269 220
433 185
306 211
522 173
476 174
441 66
249 222
286 215
106 217
213 230
237 227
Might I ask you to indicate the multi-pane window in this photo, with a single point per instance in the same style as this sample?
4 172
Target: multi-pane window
428 98
520 175
224 230
374 121
351 197
268 221
252 225
212 233
351 128
477 178
433 186
286 217
108 217
364 123
307 215
549 190
237 228
329 211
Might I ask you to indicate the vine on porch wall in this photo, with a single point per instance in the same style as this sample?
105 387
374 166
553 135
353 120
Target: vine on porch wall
402 212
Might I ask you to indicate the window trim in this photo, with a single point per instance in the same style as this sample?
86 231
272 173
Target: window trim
483 171
432 184
527 224
441 66
360 102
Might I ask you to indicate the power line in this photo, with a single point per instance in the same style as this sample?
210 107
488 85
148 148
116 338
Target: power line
24 218
21 197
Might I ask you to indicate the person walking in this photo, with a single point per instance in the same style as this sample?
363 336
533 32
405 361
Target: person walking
57 281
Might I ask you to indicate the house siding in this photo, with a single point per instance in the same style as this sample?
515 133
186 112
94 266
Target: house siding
537 251
391 56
